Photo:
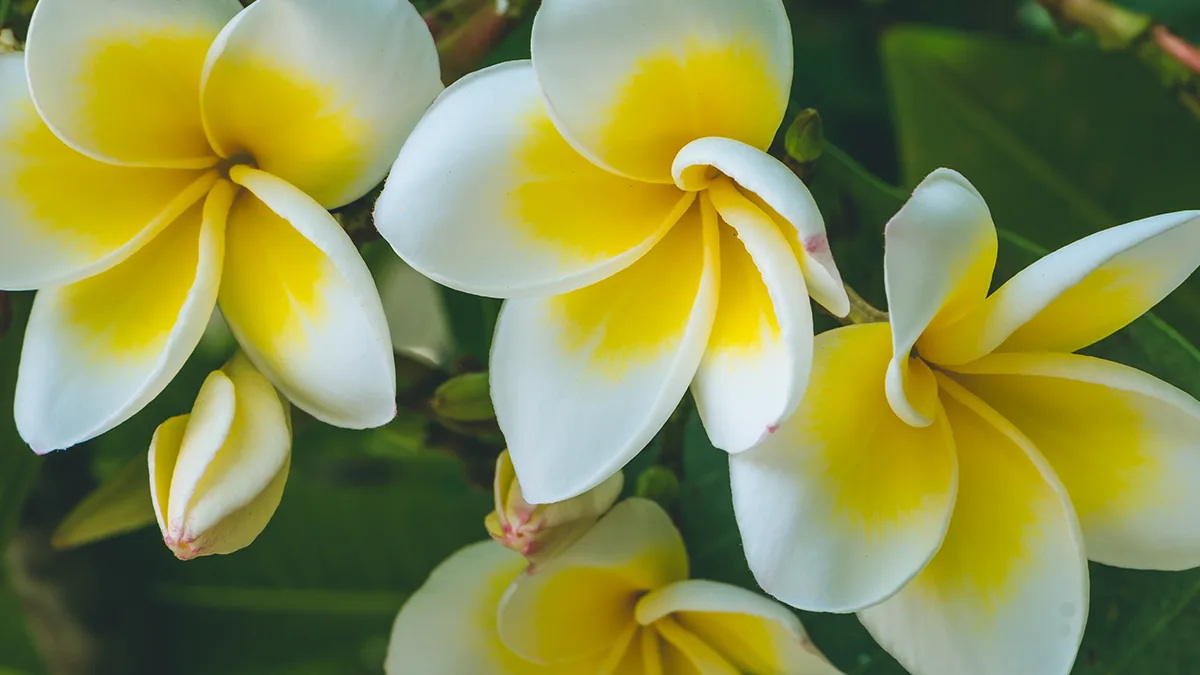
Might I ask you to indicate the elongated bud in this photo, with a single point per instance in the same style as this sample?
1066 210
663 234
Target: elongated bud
539 532
464 398
217 475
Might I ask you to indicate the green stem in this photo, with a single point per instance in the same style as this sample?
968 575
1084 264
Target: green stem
862 311
671 438
5 7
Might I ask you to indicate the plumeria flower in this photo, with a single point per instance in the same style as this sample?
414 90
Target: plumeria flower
161 158
617 192
616 601
949 474
218 473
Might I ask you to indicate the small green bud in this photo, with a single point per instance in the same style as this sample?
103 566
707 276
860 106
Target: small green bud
805 138
464 398
658 484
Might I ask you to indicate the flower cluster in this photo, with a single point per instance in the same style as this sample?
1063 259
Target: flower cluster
946 473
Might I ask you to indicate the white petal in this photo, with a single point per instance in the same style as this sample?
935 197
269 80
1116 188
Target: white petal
100 349
304 307
938 262
1079 294
119 80
577 605
780 194
582 382
1125 444
1008 591
63 215
486 197
448 627
753 633
845 503
759 353
631 82
321 94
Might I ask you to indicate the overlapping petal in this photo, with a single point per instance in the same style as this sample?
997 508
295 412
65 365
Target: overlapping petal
756 366
776 190
321 94
303 305
634 549
938 263
98 350
1122 442
488 198
678 72
218 474
581 382
845 503
118 80
1008 590
1079 294
448 627
749 632
63 216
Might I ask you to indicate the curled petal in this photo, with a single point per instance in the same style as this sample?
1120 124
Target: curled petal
938 263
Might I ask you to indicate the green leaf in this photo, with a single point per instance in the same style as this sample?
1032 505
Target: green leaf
121 504
319 589
18 464
1061 142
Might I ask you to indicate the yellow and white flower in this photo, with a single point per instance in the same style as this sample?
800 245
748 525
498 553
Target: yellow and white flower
161 158
949 475
617 601
617 192
218 473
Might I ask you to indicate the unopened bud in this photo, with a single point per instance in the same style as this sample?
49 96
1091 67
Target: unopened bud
464 398
538 532
217 474
658 484
805 138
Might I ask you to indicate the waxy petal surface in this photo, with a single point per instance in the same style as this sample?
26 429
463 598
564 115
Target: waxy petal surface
119 80
747 630
321 94
582 382
846 503
63 215
580 603
1008 590
939 257
486 196
1125 444
302 304
100 349
759 353
779 193
1079 294
676 73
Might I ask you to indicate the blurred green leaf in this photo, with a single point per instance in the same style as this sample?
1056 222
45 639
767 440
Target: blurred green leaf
318 591
18 463
121 504
1061 142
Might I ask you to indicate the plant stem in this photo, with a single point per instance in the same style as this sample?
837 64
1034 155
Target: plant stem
671 438
1173 60
862 311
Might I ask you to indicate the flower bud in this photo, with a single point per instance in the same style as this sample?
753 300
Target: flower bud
464 398
538 532
805 138
217 474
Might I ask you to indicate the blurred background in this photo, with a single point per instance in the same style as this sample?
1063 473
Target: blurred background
1065 129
